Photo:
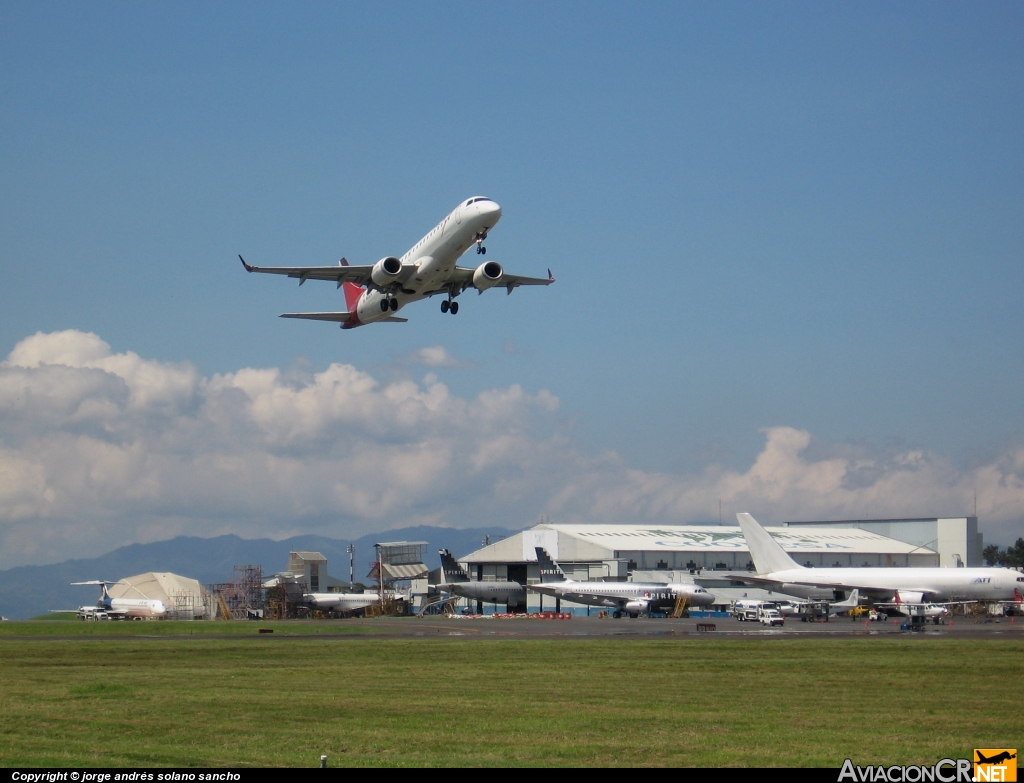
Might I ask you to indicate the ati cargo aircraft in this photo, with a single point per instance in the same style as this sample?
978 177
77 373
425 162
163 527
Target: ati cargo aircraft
632 598
913 585
376 292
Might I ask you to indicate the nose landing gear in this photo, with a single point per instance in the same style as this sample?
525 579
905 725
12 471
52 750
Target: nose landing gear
480 249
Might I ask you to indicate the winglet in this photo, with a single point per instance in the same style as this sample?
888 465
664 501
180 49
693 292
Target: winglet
551 277
247 267
343 262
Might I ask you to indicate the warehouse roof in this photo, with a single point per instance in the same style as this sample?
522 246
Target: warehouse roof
597 542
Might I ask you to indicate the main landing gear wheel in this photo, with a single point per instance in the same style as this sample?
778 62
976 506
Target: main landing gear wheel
384 305
455 308
445 305
394 304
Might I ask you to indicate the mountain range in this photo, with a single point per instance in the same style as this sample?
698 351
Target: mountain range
27 591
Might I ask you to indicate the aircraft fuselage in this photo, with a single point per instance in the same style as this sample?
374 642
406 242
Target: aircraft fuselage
435 255
944 584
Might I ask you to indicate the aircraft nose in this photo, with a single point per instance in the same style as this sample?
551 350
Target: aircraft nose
489 209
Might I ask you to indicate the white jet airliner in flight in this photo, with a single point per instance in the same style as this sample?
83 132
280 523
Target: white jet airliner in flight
373 293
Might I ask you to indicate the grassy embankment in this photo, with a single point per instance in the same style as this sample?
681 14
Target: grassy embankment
70 625
472 702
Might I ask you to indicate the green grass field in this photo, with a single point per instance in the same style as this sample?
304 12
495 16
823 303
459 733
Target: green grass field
380 701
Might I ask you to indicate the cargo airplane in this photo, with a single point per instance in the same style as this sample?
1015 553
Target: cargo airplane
913 585
376 292
632 598
123 608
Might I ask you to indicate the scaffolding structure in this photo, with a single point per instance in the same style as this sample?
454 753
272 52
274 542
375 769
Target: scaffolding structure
186 605
241 598
395 561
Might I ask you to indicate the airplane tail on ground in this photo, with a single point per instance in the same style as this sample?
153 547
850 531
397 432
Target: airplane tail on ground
104 595
765 551
451 571
844 606
549 570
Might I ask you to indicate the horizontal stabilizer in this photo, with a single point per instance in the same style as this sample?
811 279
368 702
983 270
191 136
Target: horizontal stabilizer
394 319
336 317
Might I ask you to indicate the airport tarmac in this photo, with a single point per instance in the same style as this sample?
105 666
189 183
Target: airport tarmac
485 627
641 627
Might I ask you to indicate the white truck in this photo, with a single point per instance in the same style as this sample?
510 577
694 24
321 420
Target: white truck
770 616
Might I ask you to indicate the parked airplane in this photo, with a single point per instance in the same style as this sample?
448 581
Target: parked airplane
456 581
915 585
632 598
340 602
123 608
798 608
375 292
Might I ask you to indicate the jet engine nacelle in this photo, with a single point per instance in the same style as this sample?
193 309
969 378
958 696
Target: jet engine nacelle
386 271
486 275
637 607
909 597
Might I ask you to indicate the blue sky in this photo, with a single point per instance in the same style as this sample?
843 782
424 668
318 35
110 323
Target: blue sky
795 216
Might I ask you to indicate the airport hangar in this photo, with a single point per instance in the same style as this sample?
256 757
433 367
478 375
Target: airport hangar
705 554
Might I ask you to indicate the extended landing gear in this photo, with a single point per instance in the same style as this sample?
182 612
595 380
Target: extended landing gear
480 249
448 306
388 304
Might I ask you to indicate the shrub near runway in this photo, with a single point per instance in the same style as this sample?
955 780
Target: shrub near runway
793 702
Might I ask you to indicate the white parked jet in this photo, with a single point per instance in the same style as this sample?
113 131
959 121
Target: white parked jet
340 602
123 608
632 598
915 585
375 292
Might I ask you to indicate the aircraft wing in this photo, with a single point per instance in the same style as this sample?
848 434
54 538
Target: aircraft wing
342 273
506 281
337 317
594 599
868 590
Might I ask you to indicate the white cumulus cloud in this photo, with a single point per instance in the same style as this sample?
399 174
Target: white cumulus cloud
100 449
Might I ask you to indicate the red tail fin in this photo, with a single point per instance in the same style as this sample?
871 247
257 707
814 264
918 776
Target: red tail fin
352 294
352 291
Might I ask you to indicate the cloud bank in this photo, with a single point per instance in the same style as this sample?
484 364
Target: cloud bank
101 449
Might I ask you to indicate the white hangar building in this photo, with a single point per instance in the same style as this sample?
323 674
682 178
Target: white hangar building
616 551
704 554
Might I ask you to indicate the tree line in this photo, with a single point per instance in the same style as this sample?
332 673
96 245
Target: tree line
1011 557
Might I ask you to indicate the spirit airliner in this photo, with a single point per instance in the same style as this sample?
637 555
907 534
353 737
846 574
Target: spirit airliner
376 292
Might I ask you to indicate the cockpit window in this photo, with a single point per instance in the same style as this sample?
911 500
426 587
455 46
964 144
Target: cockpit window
474 200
